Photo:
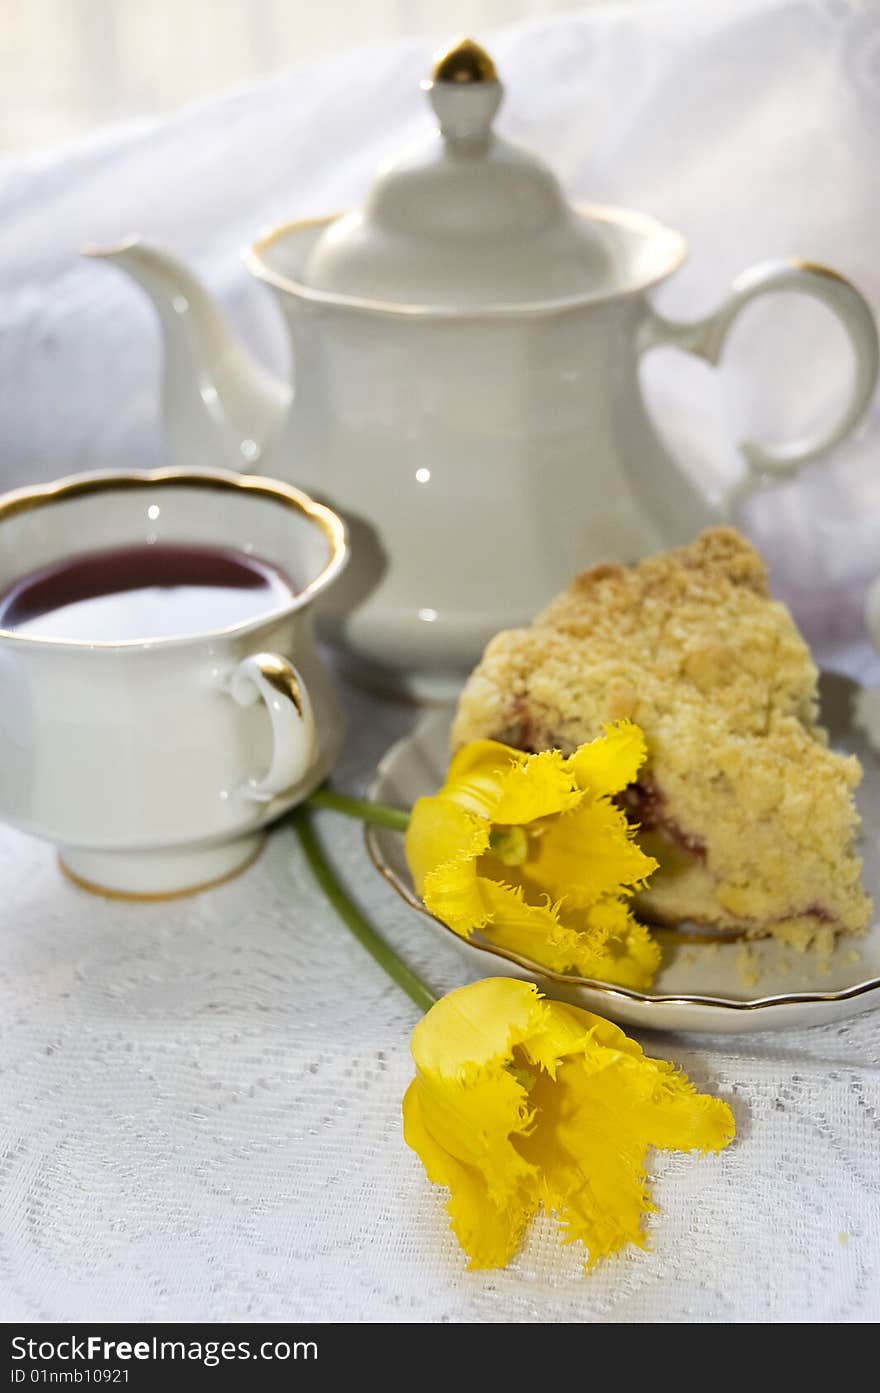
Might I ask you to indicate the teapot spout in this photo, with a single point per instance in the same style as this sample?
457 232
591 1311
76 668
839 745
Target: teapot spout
221 407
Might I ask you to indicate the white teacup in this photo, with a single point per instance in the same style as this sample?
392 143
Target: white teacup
155 764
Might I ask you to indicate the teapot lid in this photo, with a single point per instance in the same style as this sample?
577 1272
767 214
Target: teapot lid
465 218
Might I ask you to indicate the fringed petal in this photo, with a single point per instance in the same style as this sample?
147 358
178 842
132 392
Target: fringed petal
626 953
594 1123
476 1027
519 1100
488 1231
513 846
586 854
608 764
466 1109
534 931
510 787
443 845
441 833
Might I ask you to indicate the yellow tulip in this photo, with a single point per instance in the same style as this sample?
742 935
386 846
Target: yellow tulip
519 1101
532 851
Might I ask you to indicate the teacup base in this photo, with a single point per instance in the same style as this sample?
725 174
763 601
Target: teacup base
159 875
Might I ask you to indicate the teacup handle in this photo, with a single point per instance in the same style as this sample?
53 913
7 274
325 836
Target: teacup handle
706 338
271 678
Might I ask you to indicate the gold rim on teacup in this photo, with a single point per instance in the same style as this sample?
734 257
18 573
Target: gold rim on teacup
23 500
153 765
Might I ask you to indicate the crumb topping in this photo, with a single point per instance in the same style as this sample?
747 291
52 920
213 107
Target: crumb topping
752 811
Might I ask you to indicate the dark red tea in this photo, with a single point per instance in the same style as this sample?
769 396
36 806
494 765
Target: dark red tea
143 592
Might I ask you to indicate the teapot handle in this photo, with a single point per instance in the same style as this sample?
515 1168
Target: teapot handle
706 338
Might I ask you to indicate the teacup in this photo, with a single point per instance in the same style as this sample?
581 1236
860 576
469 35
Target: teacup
154 764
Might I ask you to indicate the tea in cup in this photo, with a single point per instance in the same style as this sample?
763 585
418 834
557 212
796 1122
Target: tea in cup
161 694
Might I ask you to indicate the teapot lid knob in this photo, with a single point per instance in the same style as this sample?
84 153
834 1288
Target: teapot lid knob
465 93
465 219
465 61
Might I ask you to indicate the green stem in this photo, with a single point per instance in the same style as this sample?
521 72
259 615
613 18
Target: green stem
350 914
361 808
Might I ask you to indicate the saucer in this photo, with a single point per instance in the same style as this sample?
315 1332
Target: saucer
719 986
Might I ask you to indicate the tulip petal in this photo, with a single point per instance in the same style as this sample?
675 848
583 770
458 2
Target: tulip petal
488 1232
682 1119
508 786
466 1108
594 1123
605 944
608 764
533 931
440 833
476 1027
629 955
467 1095
518 1099
562 1029
591 1157
476 1119
531 851
443 844
588 853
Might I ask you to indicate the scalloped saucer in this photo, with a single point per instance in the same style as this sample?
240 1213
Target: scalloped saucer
728 987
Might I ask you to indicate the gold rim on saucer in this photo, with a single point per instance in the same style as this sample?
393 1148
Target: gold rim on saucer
614 992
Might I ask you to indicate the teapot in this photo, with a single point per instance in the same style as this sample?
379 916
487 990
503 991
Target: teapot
466 392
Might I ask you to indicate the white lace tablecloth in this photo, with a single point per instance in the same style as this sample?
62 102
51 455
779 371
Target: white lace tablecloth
200 1101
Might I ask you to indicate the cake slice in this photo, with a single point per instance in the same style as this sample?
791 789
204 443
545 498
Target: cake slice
748 811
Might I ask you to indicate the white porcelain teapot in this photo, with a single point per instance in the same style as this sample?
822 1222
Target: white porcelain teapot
466 393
